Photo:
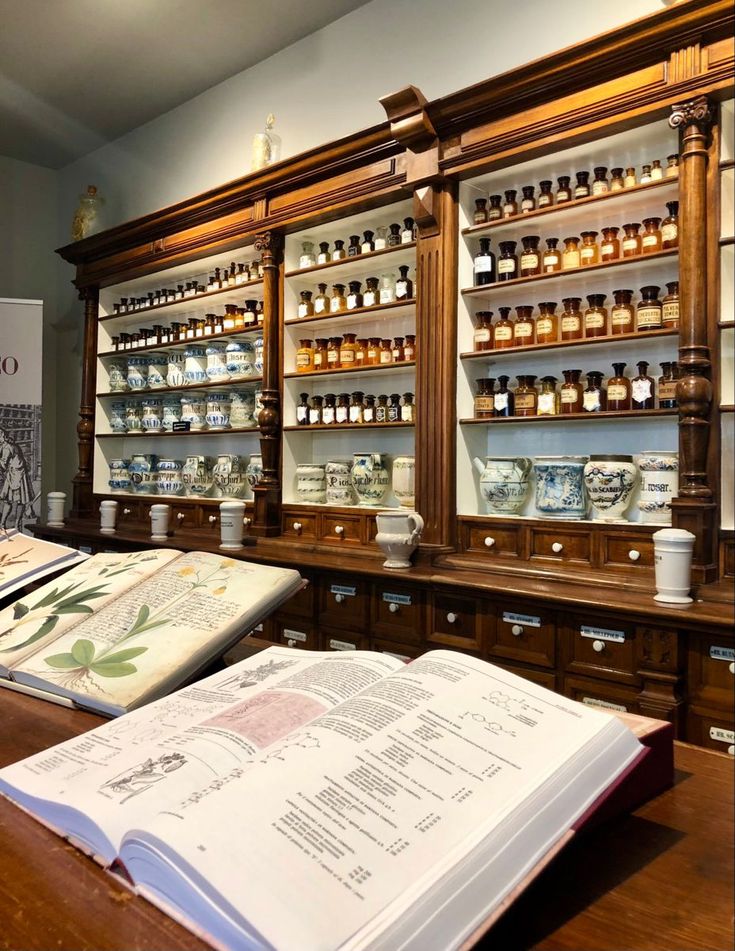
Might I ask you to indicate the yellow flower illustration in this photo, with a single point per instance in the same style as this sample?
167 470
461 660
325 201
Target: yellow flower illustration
187 571
220 590
228 563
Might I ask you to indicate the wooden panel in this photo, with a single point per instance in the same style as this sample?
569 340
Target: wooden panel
544 678
341 529
340 640
592 647
339 187
398 612
302 604
616 550
293 632
493 541
606 695
712 672
398 649
712 731
213 232
344 604
576 544
298 524
455 622
523 632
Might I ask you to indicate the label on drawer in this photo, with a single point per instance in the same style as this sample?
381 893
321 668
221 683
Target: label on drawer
403 657
288 635
602 633
721 653
594 702
722 736
527 620
346 590
396 598
335 645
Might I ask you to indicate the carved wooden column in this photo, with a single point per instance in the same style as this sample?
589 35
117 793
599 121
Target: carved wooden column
435 214
267 492
82 481
694 509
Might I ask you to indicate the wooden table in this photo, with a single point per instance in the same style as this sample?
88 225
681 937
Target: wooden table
661 878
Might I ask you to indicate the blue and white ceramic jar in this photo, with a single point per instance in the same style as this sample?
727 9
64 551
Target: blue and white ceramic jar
195 365
560 486
258 346
240 359
254 469
117 417
171 412
157 371
216 363
118 376
132 417
197 476
218 410
609 481
142 469
659 485
152 417
194 409
168 477
242 408
137 377
370 477
175 369
228 476
119 476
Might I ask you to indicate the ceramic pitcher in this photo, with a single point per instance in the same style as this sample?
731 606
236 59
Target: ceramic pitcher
197 475
398 536
504 483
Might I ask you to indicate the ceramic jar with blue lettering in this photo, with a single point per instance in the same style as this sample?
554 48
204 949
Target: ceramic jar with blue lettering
152 417
241 409
157 371
195 365
240 359
197 476
258 346
118 376
132 417
311 482
193 410
168 477
171 412
659 485
117 417
137 377
560 486
370 477
216 363
175 369
228 476
218 410
609 481
142 470
119 476
254 469
338 476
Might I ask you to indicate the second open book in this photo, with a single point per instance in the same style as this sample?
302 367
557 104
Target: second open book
324 801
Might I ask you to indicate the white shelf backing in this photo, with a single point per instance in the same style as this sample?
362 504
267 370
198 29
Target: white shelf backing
727 487
398 326
727 120
727 282
727 203
727 366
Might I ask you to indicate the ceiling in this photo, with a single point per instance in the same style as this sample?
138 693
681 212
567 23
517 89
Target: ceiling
75 74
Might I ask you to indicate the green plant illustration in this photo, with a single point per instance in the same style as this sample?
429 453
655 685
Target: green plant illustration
7 559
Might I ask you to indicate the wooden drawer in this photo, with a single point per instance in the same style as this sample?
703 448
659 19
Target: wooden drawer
603 647
344 605
455 621
712 732
494 541
336 640
563 545
627 550
302 604
542 677
609 696
296 524
187 515
712 671
341 529
290 632
523 632
131 511
397 612
396 649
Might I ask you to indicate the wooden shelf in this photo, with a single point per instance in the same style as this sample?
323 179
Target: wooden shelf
183 344
571 417
727 407
177 306
341 427
127 394
159 433
209 501
551 212
351 371
727 240
564 344
726 324
331 266
378 310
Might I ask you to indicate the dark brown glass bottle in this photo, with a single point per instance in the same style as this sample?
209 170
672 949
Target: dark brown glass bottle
508 261
563 192
667 386
526 396
523 331
484 397
595 317
618 389
570 395
571 319
528 202
484 264
622 316
547 323
582 188
530 256
495 208
594 398
642 388
504 400
503 330
479 216
546 196
670 226
510 205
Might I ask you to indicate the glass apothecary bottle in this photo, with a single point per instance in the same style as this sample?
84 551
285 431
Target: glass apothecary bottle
649 314
667 386
526 396
321 353
386 352
617 180
387 289
329 409
670 226
409 350
354 295
622 314
551 260
548 398
547 323
645 175
342 409
670 307
372 356
570 395
368 409
595 317
589 252
338 301
642 389
302 410
242 318
324 257
610 244
339 253
484 397
315 410
510 205
600 183
333 347
618 389
394 235
503 330
356 407
570 256
242 276
408 409
371 297
321 301
657 173
508 261
495 208
307 258
651 237
484 264
582 188
305 307
672 165
404 285
563 192
380 242
545 195
367 245
528 201
354 247
571 319
630 179
348 351
594 398
361 353
530 256
408 231
523 330
394 408
504 399
479 215
381 409
483 334
631 244
398 350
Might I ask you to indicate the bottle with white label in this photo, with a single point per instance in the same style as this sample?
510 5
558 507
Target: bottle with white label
387 288
651 237
622 315
339 253
306 306
618 389
642 388
371 297
302 410
354 297
503 398
321 301
380 242
570 395
650 309
670 226
508 261
367 245
548 398
483 335
407 232
307 257
594 398
404 286
324 257
338 301
484 264
503 330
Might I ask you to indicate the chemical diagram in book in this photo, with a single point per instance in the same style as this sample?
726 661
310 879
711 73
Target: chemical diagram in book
492 726
250 678
304 741
519 708
135 780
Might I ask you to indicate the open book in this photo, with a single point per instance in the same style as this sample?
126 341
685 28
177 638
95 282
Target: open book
119 630
334 800
24 559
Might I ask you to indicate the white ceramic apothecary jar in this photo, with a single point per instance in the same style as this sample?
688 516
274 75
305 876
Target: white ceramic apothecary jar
659 484
610 481
504 482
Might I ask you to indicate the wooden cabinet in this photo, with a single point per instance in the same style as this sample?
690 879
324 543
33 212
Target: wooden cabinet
523 632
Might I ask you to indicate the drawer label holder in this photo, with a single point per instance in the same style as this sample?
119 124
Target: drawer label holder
602 633
335 645
391 598
349 591
722 736
527 620
721 653
289 635
605 704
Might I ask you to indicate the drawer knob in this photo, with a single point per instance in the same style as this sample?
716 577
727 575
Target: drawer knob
598 646
247 521
452 617
731 750
339 529
634 554
180 516
393 608
489 541
126 511
297 527
516 630
339 598
732 667
212 519
291 642
557 547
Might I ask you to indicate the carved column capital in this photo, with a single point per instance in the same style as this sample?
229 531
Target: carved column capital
268 244
89 294
693 112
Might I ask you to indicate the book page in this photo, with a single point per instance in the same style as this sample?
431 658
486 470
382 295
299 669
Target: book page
24 558
164 627
379 798
124 771
48 612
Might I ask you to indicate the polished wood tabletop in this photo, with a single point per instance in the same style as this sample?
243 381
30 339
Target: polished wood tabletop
660 878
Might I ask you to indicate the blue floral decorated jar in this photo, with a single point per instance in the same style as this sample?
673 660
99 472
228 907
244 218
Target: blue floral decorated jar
560 486
242 409
218 410
142 469
197 476
117 376
132 417
171 412
193 410
216 363
152 417
117 417
258 346
119 476
137 377
175 369
240 359
157 371
195 365
168 477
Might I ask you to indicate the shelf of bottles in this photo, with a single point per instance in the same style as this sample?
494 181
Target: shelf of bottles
180 354
727 315
349 357
568 315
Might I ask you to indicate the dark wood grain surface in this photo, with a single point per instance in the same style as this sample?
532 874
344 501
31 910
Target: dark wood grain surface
661 878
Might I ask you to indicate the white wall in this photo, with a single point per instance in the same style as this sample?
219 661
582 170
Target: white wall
321 88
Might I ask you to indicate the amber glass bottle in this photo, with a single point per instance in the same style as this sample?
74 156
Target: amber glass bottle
667 386
531 256
371 296
523 331
548 398
622 315
333 347
372 357
504 400
570 256
546 196
618 389
305 308
589 252
571 319
484 398
348 351
495 208
354 296
503 330
563 192
650 310
547 323
479 215
600 184
570 395
670 226
642 388
651 237
528 202
526 396
582 188
483 335
409 350
594 398
595 317
508 261
632 240
338 301
551 260
305 357
320 353
670 306
386 352
610 244
510 205
617 182
321 301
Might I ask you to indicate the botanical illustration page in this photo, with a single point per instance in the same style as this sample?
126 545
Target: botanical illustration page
24 558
